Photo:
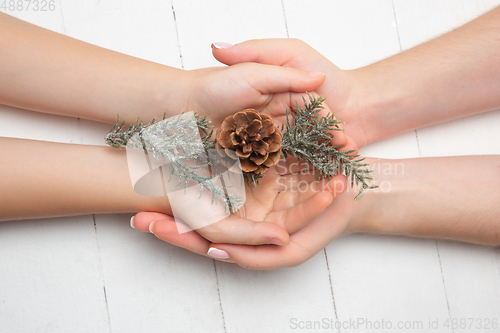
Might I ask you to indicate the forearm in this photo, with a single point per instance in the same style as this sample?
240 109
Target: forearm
452 76
444 197
46 179
45 71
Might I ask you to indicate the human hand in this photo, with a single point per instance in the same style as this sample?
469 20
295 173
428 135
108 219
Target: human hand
306 239
257 86
282 203
219 92
222 91
339 88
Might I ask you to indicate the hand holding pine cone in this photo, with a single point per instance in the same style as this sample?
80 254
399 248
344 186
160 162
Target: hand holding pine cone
251 137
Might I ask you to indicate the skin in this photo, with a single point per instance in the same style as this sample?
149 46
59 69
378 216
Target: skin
431 200
45 179
428 197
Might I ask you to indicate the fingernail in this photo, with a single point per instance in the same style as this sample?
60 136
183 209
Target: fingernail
216 253
222 45
151 228
132 222
316 74
276 241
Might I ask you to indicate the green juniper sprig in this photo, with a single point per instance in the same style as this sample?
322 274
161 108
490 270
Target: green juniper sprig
308 139
176 141
117 138
306 135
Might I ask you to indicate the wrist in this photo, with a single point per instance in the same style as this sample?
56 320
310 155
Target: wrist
377 101
169 92
375 212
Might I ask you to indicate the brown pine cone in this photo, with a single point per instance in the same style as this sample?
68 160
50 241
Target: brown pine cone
253 138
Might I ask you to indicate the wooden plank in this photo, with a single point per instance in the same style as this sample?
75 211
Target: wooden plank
283 300
373 278
384 283
470 273
144 30
150 285
472 281
201 23
52 279
420 21
351 34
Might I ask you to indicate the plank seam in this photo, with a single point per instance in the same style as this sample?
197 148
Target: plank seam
284 15
63 24
444 284
102 271
401 50
397 26
218 293
331 286
177 34
418 143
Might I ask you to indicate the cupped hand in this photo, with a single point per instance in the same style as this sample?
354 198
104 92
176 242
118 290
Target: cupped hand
339 87
284 201
303 244
219 92
306 237
222 91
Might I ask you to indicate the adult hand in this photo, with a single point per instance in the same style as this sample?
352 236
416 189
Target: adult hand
219 92
285 201
222 91
339 88
306 237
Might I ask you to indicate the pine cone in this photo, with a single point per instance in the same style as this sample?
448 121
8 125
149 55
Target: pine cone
253 138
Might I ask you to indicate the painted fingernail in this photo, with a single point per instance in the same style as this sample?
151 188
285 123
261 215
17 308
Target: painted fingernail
222 45
151 228
316 74
276 241
132 222
217 254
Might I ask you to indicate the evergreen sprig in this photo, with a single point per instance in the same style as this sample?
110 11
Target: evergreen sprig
175 141
118 139
308 137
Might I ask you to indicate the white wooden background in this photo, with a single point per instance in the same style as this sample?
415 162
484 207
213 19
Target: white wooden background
96 274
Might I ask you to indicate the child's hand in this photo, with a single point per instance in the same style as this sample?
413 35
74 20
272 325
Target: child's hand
282 203
223 91
219 92
336 220
340 87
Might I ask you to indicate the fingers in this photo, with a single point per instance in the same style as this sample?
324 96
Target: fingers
166 230
350 145
301 207
269 79
296 191
231 230
141 221
263 256
276 51
238 230
304 244
254 257
339 138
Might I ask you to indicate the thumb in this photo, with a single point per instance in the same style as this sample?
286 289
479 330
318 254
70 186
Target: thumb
238 230
269 79
272 51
